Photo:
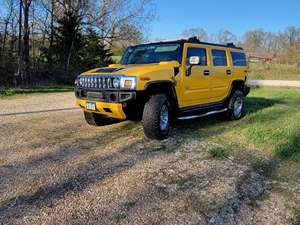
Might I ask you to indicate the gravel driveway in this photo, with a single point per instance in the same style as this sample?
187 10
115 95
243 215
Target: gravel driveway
55 169
275 83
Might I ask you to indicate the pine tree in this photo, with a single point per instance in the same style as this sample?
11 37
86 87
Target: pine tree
94 54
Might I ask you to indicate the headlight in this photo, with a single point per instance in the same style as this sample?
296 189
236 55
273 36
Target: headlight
128 83
116 83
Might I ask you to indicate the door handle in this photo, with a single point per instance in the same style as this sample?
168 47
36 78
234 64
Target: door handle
206 72
228 72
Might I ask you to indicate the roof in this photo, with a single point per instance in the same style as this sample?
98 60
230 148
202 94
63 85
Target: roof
195 40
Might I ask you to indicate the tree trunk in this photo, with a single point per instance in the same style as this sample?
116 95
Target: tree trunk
20 61
26 42
3 44
50 52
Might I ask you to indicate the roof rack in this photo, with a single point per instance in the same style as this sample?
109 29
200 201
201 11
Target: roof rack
196 40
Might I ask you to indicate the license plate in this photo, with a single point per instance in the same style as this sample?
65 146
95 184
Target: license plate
91 106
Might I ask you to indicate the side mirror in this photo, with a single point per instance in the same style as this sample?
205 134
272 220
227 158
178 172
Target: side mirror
194 60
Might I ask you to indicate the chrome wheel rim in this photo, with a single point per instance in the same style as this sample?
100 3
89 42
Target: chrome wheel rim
237 107
164 117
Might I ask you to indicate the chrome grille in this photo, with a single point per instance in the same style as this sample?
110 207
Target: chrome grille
96 81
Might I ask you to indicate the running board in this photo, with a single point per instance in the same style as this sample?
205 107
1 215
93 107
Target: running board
202 115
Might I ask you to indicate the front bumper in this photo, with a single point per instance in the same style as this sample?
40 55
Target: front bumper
112 110
105 95
108 103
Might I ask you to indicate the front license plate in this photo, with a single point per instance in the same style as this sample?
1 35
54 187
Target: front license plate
91 106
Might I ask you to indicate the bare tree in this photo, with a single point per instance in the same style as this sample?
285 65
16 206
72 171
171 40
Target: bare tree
26 7
225 36
6 19
196 32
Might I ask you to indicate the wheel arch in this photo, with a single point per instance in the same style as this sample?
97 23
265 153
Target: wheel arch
237 85
163 87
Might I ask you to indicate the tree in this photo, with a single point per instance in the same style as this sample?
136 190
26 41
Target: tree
94 53
26 5
254 39
225 36
196 32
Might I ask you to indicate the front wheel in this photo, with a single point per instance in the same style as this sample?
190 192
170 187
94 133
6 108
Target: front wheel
236 106
156 117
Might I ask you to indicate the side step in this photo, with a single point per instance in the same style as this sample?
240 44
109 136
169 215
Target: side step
202 115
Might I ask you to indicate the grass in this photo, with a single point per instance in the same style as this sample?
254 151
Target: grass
218 152
260 71
272 123
8 93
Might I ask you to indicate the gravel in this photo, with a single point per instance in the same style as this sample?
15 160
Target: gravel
55 169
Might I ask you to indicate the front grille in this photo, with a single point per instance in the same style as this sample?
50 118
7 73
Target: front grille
97 82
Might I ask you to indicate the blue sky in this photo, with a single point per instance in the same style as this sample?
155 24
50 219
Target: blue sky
238 16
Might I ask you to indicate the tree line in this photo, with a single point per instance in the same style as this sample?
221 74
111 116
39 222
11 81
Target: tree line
284 45
52 41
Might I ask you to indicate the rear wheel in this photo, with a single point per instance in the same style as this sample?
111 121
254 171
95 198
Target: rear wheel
97 120
236 106
156 117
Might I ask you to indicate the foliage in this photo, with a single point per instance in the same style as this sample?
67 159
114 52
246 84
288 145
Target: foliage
49 89
61 38
260 71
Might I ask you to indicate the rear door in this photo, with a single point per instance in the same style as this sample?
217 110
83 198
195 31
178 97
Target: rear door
221 73
196 85
239 63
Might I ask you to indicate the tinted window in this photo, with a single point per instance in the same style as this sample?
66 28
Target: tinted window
152 53
201 52
219 58
238 59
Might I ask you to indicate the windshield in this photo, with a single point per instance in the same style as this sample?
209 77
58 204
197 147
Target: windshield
152 53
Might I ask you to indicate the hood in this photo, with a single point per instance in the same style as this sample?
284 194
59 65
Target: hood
133 70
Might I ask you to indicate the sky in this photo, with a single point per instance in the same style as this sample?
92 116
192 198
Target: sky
237 16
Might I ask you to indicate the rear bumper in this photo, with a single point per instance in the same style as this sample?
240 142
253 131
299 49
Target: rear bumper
109 109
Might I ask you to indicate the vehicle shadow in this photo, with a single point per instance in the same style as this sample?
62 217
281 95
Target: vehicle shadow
254 104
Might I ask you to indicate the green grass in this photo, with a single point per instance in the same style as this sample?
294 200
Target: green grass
218 152
260 71
272 123
10 93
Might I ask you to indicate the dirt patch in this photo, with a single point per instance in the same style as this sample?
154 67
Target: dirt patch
55 169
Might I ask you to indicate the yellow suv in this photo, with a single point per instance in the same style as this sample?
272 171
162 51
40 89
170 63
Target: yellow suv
160 82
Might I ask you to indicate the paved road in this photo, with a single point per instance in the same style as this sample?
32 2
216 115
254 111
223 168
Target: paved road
275 83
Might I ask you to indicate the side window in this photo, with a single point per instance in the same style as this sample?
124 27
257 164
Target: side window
201 52
238 58
219 57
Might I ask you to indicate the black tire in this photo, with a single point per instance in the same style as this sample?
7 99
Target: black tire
154 127
94 119
236 98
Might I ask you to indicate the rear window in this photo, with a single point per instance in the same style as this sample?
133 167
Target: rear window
219 57
238 59
201 52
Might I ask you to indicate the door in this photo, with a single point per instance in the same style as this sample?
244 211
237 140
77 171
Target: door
196 78
221 74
